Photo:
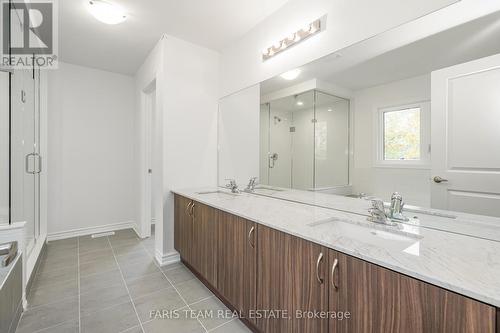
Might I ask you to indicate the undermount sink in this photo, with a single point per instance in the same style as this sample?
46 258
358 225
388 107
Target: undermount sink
387 239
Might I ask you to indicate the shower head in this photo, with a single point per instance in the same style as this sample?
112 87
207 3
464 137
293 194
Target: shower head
277 119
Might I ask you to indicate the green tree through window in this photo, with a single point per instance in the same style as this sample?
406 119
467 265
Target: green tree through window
402 134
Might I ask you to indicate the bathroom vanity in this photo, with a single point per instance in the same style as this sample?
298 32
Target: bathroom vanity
275 260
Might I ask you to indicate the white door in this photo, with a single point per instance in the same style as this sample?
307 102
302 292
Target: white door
466 137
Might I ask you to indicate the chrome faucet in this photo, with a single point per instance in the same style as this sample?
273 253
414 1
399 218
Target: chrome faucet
251 185
377 212
233 186
397 204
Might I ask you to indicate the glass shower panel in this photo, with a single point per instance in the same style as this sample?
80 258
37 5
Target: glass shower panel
4 147
290 124
280 142
302 136
24 154
331 158
264 144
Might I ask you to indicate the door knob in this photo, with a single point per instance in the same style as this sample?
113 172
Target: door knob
438 180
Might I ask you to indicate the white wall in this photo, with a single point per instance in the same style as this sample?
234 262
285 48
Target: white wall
413 184
190 104
238 129
90 149
185 150
348 22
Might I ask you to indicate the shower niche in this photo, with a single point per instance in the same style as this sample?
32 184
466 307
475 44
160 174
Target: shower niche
304 142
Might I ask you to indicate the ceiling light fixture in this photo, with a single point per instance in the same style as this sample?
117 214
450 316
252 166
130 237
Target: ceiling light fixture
292 39
300 103
291 75
107 12
330 110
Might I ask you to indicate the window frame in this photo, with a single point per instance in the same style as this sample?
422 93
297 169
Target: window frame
425 137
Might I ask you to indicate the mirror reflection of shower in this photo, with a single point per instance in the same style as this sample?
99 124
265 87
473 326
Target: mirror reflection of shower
304 141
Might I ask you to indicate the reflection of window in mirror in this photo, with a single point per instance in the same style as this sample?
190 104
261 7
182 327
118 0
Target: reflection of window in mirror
404 136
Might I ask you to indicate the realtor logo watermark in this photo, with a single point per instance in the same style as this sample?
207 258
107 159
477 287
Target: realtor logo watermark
29 34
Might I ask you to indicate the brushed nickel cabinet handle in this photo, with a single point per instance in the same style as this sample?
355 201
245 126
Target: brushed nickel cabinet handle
320 257
187 207
192 211
334 267
252 244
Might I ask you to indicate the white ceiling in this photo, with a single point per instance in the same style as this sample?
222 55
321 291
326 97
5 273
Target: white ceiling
122 48
473 40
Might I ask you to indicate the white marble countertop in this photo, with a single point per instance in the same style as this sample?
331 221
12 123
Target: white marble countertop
467 265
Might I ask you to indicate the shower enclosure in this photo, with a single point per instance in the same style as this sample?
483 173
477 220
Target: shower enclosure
20 151
304 142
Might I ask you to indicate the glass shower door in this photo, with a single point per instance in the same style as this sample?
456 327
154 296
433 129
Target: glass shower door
25 158
290 137
4 148
280 155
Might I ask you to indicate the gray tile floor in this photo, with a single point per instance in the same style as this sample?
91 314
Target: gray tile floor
113 284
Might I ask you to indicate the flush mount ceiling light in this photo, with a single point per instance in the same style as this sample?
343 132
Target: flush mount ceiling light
107 12
300 103
292 39
291 75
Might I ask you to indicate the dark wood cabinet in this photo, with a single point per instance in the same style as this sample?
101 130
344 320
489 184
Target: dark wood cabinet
236 280
288 284
273 280
183 227
380 300
291 277
204 241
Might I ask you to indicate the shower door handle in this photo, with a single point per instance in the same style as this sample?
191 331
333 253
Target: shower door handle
273 157
27 163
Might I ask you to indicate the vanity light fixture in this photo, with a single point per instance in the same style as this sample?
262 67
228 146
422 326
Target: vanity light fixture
291 75
300 103
292 39
330 110
106 12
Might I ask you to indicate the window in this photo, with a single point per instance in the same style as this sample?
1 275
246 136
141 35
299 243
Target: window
404 136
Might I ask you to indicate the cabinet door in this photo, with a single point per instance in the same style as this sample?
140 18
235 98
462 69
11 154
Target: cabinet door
236 266
183 227
309 287
292 278
380 300
204 244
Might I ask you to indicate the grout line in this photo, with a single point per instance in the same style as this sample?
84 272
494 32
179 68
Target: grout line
50 303
46 329
201 300
78 277
125 282
183 299
153 292
227 322
91 313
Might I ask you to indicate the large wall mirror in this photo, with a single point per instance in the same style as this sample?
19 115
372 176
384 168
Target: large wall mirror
420 118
